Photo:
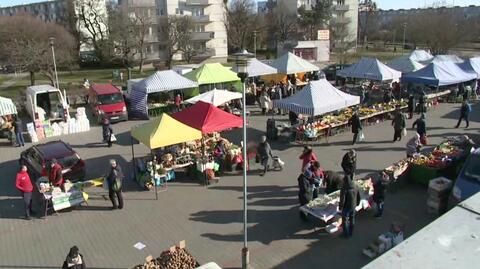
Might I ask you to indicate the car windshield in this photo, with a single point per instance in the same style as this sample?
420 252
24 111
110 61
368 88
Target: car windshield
108 99
472 168
68 161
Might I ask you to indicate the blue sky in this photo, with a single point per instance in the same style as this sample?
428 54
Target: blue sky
383 4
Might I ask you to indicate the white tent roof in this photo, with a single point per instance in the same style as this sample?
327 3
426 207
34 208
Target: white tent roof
292 64
256 68
405 64
444 58
370 68
215 97
161 81
420 55
317 98
7 107
40 89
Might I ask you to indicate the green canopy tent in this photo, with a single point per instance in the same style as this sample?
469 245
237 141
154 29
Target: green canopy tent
213 75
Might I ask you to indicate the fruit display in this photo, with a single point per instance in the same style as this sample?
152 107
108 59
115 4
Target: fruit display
342 116
365 186
440 156
178 259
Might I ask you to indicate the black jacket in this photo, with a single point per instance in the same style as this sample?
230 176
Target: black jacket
356 123
349 165
334 181
114 174
17 124
465 109
411 103
106 129
348 195
264 150
80 266
379 191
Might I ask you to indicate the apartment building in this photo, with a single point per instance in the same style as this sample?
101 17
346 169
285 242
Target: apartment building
58 11
343 24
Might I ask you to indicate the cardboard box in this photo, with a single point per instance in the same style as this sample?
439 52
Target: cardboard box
440 185
387 241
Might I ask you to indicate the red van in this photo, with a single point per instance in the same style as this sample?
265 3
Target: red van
106 100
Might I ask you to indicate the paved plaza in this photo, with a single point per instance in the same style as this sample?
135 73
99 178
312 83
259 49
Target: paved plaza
210 219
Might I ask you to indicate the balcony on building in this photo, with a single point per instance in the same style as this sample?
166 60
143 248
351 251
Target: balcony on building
200 18
341 7
198 2
197 36
341 20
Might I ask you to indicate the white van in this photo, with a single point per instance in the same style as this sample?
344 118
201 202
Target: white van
46 102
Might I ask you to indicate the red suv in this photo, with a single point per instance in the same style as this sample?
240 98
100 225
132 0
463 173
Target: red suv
106 100
37 157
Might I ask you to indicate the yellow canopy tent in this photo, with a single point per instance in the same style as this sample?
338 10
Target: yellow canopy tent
161 132
164 131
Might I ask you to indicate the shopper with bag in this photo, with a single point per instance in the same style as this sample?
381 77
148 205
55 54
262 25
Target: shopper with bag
107 132
356 127
421 128
464 111
265 152
399 123
115 184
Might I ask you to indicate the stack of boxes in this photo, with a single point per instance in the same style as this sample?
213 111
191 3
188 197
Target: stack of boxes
438 192
385 241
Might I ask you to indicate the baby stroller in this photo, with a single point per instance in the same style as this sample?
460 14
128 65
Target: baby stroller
277 163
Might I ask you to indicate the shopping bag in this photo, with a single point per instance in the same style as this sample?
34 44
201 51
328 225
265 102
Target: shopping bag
423 140
361 136
113 138
404 132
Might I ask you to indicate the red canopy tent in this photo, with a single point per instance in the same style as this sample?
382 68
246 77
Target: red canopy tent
207 118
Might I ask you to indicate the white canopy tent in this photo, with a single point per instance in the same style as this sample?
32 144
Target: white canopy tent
317 98
7 107
370 68
420 55
215 97
256 68
162 81
292 64
444 58
405 64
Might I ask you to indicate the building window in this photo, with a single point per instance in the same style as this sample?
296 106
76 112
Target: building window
199 28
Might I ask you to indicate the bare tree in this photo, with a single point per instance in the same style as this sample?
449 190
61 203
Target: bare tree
314 19
367 8
25 45
177 33
240 22
95 23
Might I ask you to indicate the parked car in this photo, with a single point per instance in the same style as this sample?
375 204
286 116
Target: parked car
106 100
38 156
331 71
468 181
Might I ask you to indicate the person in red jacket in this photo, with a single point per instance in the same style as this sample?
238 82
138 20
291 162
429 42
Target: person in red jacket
55 176
307 157
24 185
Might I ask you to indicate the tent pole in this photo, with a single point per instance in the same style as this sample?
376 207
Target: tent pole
133 160
204 165
154 182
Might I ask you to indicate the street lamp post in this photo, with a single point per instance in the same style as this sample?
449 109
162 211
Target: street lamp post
241 60
404 31
255 44
52 43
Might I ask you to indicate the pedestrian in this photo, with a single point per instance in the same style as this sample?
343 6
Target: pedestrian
422 102
313 177
307 156
178 102
421 125
107 131
115 184
333 181
349 163
413 145
74 259
356 126
264 151
348 202
55 175
399 123
293 117
24 185
18 129
264 102
379 193
411 105
464 111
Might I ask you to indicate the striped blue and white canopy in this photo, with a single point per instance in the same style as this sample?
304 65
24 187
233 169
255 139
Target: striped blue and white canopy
317 98
7 107
162 81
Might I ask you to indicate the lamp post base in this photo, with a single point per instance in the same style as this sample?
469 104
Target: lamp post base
245 258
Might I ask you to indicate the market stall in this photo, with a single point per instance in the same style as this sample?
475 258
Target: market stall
149 97
439 73
213 75
208 119
71 195
370 68
256 68
325 207
7 111
161 132
215 97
